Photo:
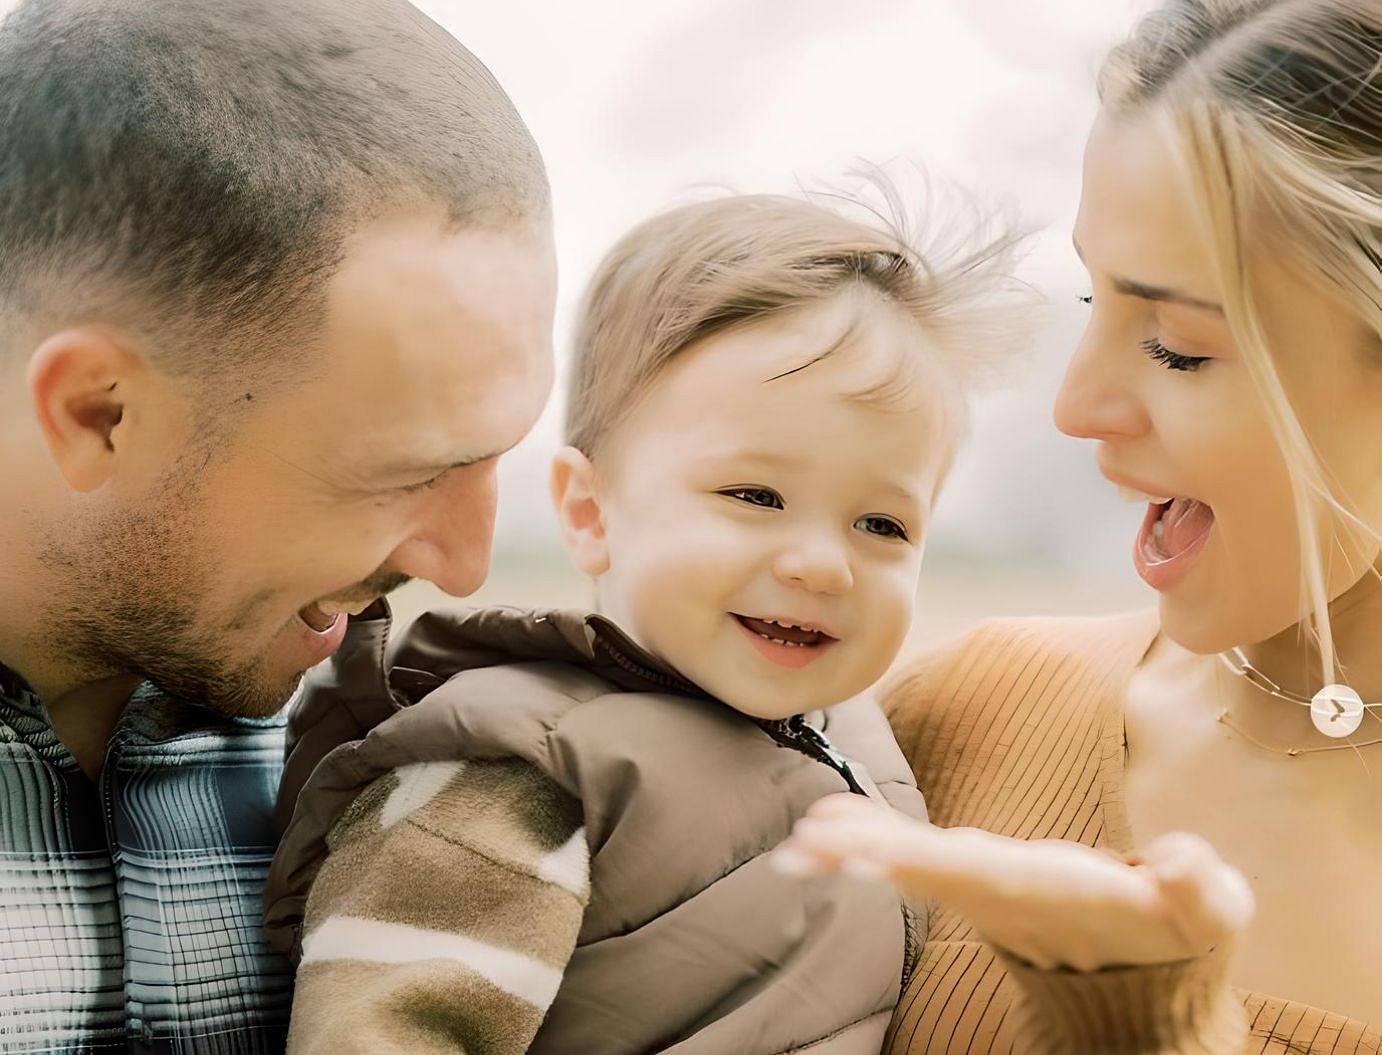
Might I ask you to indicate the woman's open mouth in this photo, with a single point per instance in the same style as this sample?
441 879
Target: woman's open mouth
1173 534
783 641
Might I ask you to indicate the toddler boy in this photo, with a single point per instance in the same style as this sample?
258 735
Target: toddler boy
559 843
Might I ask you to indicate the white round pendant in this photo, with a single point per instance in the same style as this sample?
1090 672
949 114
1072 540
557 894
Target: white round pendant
1337 711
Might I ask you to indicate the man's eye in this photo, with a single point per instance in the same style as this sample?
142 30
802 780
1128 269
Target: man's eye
884 527
755 496
424 486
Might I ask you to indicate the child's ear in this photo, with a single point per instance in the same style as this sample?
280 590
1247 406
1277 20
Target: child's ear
576 494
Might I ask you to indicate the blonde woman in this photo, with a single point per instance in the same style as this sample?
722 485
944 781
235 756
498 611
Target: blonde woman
1180 769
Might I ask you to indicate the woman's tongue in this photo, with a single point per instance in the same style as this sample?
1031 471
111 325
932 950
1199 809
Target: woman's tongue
1184 521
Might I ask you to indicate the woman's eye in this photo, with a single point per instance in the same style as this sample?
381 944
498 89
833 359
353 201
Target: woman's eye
1173 360
884 527
755 496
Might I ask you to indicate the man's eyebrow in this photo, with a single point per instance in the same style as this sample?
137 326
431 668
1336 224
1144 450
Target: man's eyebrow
1160 294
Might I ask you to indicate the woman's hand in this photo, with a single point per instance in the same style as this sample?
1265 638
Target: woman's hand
1050 902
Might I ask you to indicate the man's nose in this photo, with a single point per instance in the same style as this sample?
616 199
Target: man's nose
818 563
452 543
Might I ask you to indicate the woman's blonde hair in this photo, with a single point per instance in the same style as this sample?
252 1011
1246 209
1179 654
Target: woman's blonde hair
705 268
1275 109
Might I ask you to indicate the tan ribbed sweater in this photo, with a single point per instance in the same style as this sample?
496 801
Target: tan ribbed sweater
1018 729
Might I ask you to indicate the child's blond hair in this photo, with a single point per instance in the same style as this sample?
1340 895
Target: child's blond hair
702 269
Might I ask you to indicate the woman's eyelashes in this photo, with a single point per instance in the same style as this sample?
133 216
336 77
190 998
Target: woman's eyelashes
1173 360
1160 353
875 524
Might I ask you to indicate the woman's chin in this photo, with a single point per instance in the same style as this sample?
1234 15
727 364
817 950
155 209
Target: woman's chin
1206 628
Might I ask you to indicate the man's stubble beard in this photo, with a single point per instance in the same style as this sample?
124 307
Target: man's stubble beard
134 590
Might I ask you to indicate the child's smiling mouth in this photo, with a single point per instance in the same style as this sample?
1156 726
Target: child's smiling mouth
785 642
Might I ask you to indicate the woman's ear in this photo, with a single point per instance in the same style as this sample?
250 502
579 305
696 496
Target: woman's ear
575 485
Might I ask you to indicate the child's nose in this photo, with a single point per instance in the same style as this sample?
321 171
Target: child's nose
817 565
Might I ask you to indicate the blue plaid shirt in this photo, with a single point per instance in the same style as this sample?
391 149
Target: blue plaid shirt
130 908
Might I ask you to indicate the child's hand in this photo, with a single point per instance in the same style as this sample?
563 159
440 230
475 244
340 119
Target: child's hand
1050 902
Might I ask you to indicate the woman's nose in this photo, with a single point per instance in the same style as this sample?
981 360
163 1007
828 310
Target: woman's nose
1098 398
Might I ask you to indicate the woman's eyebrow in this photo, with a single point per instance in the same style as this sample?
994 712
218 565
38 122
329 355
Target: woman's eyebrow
1163 295
1160 294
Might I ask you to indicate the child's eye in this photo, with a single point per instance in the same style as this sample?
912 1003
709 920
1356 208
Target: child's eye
1173 360
754 496
884 527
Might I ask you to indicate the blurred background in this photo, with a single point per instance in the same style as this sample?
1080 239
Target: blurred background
641 106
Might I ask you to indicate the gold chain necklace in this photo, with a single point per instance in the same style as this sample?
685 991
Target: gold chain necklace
1237 663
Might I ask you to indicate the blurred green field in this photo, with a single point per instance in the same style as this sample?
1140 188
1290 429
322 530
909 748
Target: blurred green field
953 595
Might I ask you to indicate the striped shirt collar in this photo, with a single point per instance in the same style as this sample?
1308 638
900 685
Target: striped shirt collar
15 691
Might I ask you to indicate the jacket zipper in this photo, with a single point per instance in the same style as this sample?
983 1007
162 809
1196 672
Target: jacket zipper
794 732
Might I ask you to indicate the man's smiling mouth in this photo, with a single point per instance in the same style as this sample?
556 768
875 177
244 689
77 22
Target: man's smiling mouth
321 616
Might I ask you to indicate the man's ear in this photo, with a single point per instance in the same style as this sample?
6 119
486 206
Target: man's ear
575 487
77 382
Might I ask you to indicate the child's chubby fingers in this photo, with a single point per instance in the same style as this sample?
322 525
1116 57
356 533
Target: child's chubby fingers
1206 898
